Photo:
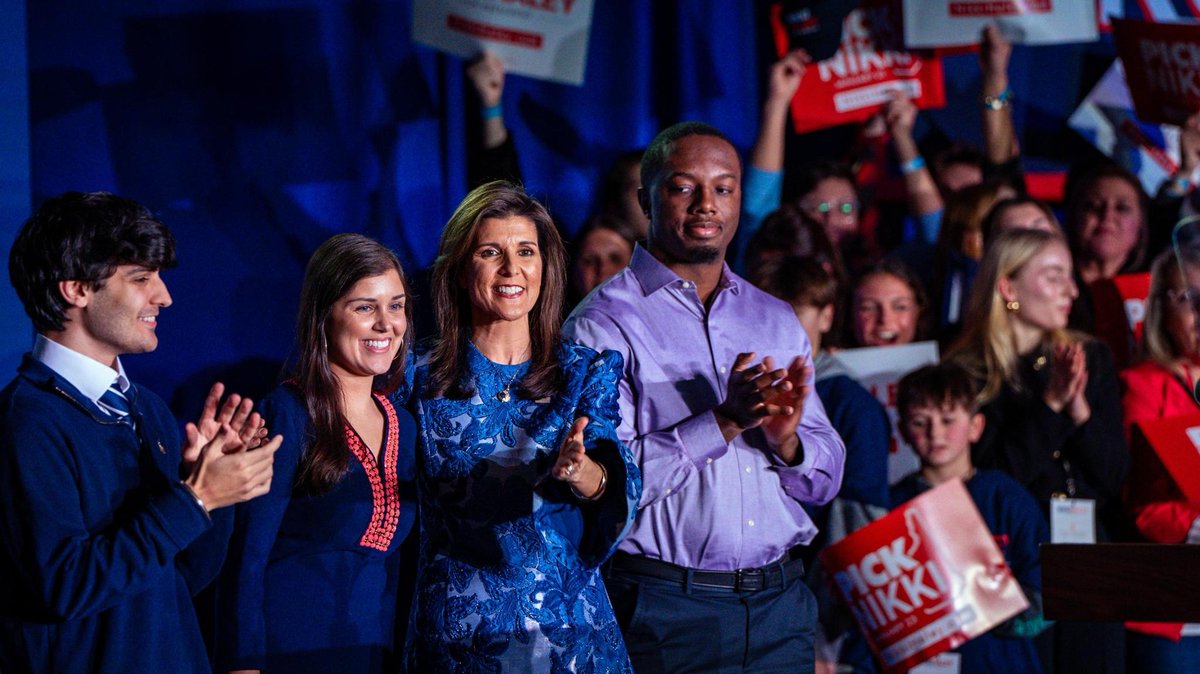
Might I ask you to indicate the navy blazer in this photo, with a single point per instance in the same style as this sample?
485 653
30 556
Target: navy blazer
101 546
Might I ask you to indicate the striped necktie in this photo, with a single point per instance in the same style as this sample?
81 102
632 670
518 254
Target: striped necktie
116 404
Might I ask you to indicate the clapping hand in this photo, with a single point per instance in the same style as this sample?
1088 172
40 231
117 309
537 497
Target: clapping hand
585 476
236 413
1067 387
224 473
764 395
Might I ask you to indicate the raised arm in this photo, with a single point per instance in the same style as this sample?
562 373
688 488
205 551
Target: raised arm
999 134
900 115
495 158
763 182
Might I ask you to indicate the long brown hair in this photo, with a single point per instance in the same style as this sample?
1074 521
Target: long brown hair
448 374
340 262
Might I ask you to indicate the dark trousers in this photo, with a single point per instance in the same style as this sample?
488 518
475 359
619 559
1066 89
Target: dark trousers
676 627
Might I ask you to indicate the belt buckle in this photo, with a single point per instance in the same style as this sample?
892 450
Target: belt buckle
749 580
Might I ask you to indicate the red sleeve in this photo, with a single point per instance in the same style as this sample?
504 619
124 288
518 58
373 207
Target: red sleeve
1159 509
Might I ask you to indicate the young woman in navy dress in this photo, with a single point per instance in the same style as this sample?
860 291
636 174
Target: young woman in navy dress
310 584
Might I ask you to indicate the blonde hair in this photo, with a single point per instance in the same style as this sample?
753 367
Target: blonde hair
987 347
1157 343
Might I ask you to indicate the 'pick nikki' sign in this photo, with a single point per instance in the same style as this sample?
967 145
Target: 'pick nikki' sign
925 578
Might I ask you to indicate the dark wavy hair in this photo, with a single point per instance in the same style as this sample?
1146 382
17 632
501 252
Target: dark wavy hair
790 232
942 385
448 373
82 236
339 263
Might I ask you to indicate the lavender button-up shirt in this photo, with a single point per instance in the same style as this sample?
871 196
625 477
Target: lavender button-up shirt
706 504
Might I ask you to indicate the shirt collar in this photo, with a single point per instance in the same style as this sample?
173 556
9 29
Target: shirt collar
653 275
90 376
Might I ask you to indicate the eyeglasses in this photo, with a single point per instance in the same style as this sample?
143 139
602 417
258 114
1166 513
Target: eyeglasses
1184 298
825 207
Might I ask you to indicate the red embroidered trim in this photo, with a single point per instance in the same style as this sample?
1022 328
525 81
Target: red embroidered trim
385 490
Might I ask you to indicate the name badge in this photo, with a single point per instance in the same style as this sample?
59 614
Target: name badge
943 663
1072 520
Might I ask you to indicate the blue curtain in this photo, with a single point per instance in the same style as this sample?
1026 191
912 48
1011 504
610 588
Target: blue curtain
259 128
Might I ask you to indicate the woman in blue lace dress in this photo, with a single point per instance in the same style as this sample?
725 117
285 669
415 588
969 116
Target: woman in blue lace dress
524 488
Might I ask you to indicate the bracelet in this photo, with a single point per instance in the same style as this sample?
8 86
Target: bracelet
999 101
1181 184
492 111
195 496
915 164
599 491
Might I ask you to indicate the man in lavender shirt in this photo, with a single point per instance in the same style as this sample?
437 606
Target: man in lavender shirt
730 444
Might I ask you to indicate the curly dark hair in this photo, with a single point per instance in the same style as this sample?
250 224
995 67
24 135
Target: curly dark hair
82 236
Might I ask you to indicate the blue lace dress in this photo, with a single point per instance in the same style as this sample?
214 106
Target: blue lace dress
508 577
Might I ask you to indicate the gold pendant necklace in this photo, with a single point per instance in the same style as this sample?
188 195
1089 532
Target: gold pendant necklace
503 395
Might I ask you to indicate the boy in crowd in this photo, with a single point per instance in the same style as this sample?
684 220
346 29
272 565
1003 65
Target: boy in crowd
940 418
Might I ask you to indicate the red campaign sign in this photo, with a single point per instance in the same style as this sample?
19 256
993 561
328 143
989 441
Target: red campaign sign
1162 68
1120 304
925 578
1176 443
856 82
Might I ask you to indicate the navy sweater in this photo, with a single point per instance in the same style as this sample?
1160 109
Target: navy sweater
101 546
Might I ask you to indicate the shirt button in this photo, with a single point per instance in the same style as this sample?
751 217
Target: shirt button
668 491
708 460
750 522
747 469
1056 455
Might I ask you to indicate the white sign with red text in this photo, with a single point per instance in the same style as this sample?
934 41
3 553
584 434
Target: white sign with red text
879 369
546 39
955 23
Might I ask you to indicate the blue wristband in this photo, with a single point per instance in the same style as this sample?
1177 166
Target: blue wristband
915 164
999 101
492 111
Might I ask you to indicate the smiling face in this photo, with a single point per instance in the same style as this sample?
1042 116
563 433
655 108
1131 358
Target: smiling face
695 201
503 276
942 436
834 204
1044 289
1109 221
119 318
366 326
885 311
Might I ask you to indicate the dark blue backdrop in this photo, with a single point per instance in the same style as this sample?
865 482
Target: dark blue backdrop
257 128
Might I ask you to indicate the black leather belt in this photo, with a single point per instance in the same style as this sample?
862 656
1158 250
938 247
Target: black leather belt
741 580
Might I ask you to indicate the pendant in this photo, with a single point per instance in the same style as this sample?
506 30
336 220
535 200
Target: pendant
503 395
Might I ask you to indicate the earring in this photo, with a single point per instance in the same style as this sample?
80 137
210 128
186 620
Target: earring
1012 305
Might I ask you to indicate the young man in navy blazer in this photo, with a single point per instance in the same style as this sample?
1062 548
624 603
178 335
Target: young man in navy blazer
106 522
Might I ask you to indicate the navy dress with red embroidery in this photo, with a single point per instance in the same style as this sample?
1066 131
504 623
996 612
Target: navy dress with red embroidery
310 583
